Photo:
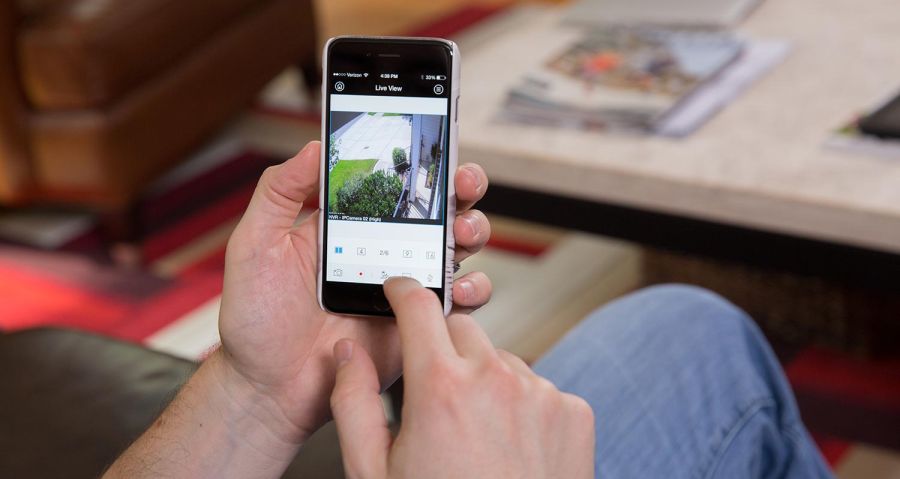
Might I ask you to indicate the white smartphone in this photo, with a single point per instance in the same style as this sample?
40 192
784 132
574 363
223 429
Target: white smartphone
389 153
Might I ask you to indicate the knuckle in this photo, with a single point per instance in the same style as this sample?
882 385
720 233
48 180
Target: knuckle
545 387
446 382
270 170
496 368
549 399
442 372
580 409
506 355
268 175
343 396
504 379
513 361
273 185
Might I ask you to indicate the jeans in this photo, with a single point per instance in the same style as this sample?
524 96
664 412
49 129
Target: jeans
683 385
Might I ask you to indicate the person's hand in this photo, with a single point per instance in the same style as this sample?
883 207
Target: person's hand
276 340
469 410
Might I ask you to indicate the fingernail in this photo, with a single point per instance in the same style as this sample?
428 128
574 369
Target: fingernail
475 177
467 288
473 225
343 351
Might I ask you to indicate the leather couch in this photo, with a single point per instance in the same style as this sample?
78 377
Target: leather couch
99 97
71 402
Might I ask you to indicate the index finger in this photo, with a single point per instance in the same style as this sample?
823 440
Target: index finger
420 320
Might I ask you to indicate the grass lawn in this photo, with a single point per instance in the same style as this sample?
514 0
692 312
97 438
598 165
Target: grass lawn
345 169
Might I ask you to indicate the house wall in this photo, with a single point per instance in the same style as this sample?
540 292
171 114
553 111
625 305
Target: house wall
431 133
415 153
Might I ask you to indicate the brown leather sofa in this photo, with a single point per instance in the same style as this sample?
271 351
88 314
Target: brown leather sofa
71 402
99 97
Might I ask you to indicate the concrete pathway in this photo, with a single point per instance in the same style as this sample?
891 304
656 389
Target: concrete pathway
375 136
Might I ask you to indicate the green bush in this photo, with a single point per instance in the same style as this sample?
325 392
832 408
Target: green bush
429 180
333 145
399 155
373 195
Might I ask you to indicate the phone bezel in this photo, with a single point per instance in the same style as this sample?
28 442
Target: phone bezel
368 299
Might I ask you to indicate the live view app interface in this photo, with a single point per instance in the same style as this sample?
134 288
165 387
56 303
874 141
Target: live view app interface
386 182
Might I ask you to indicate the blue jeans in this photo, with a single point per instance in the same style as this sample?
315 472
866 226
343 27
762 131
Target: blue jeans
683 385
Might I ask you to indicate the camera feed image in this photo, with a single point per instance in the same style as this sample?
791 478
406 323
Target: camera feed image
386 167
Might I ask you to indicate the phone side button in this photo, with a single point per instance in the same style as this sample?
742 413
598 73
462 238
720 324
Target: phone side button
380 303
456 116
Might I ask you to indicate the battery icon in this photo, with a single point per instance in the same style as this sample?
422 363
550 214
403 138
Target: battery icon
440 77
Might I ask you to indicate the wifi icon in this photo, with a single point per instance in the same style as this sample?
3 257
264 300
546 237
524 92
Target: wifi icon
365 74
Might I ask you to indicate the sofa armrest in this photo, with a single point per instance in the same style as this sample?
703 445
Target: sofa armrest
14 164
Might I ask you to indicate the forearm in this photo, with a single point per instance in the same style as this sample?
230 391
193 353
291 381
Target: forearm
217 426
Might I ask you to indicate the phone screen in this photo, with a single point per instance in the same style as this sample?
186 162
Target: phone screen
387 123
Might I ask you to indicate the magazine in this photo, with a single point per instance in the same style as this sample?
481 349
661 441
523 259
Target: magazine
621 77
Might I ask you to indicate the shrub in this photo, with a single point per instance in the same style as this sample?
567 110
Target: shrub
373 195
399 155
429 180
333 152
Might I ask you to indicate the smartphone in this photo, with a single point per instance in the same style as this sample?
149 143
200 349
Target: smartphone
389 127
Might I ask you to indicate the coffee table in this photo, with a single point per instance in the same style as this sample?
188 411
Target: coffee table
755 184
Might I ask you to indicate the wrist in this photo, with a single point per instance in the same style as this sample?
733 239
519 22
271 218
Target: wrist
252 414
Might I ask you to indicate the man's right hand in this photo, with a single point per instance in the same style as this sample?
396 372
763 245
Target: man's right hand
469 410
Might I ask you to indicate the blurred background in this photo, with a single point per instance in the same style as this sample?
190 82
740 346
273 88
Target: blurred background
747 146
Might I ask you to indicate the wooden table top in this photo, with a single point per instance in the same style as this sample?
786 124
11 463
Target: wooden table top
759 163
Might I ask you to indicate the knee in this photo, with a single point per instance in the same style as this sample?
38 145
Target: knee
674 298
675 311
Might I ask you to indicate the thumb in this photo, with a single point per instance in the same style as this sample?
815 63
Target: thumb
359 413
283 188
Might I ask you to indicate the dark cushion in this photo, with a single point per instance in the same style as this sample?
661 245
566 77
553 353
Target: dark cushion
71 402
87 53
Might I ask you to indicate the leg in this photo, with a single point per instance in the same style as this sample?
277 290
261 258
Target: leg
683 385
